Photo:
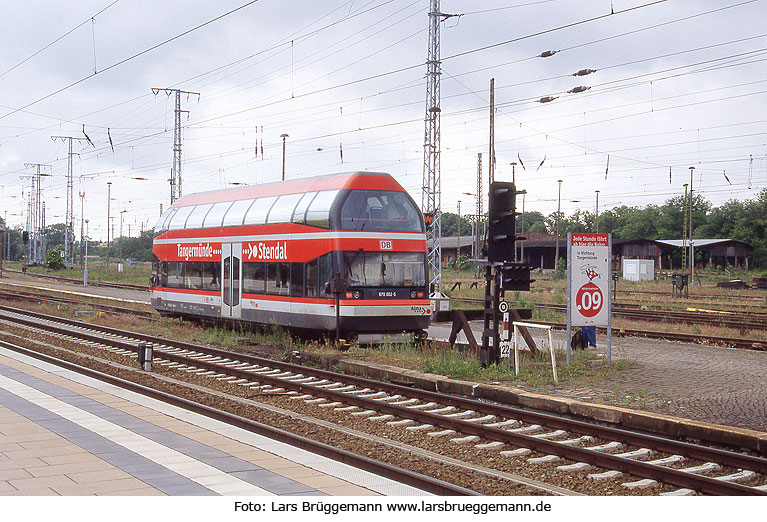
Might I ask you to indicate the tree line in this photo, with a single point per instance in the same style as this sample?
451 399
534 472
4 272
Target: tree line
120 248
740 220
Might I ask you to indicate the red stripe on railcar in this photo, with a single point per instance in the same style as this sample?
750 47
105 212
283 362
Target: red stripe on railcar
284 250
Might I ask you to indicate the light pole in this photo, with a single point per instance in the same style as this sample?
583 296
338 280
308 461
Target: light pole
85 258
283 136
458 247
597 219
559 200
684 230
522 243
120 241
692 248
109 205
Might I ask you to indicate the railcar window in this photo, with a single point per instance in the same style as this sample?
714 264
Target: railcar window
396 269
282 210
211 276
312 278
326 272
254 278
259 210
216 214
236 212
318 272
176 274
178 220
162 223
164 274
197 216
193 276
380 210
318 213
278 278
297 279
299 214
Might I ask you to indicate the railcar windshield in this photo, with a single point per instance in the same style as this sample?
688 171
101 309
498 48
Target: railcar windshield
375 210
387 269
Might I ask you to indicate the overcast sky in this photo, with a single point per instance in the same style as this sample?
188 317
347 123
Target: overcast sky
678 83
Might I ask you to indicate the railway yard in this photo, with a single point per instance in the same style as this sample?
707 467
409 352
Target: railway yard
680 413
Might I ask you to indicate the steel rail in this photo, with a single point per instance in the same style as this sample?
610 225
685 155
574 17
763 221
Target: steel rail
106 284
639 468
64 300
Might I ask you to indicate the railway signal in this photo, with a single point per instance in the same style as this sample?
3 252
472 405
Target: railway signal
516 276
501 273
502 233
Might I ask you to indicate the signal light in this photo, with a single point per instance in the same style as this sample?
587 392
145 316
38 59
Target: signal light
500 241
516 276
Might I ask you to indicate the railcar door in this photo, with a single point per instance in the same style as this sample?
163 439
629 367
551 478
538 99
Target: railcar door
231 278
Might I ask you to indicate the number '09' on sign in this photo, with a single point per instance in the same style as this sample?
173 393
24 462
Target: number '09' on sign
588 300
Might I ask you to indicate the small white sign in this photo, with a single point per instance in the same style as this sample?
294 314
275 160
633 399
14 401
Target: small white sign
505 347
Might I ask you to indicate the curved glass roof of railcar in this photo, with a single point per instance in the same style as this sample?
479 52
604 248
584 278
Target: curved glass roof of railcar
354 209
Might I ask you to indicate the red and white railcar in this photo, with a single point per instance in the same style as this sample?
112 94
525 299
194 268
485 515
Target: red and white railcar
276 253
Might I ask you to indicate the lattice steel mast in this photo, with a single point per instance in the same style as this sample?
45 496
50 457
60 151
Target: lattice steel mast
175 176
69 223
431 196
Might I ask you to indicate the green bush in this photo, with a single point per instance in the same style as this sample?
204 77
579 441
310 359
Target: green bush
53 260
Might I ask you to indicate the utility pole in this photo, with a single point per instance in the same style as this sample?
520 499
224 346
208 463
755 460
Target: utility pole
491 161
175 177
69 220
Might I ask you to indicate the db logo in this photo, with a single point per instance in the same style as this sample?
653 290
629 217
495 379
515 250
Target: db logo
386 244
588 300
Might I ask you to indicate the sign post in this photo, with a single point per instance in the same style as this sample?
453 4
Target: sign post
589 301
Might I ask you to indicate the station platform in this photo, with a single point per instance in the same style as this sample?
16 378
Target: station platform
65 434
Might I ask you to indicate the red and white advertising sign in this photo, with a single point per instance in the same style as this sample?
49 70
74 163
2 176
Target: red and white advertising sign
589 273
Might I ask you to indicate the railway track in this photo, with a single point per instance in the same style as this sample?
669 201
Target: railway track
91 282
36 297
738 321
525 445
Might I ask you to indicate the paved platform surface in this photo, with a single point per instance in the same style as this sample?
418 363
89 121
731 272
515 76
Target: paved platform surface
65 434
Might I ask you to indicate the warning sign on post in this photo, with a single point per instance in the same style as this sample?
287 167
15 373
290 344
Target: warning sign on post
589 273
